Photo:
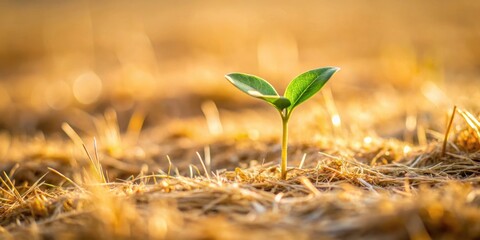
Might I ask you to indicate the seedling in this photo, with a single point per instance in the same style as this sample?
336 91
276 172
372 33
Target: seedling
298 91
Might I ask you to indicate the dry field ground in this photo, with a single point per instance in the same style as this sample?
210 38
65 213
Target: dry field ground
116 121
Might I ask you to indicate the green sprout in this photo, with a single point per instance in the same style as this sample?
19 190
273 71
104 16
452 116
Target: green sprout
298 91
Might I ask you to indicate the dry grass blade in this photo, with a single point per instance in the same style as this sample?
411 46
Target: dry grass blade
447 131
203 165
66 179
77 140
309 186
95 164
10 187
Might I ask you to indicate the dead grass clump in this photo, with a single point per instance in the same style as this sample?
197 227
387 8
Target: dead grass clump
468 137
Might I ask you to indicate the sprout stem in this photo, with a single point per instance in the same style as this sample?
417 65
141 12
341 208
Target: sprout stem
283 167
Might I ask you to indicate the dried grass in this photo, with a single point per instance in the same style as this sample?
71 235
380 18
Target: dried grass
419 195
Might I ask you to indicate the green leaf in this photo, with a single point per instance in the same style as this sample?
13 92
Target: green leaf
307 84
258 88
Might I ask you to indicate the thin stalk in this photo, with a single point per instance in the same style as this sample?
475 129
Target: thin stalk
283 164
444 147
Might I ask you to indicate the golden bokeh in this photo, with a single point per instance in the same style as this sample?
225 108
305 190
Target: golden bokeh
116 120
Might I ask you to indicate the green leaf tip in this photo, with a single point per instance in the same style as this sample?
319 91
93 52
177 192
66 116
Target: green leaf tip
305 85
258 88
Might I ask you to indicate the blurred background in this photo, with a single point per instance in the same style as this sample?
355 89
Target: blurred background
141 85
403 62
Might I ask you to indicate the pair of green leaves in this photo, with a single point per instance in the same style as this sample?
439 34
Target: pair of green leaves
299 90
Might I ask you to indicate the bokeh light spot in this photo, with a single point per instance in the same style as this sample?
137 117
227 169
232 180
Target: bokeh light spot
87 88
